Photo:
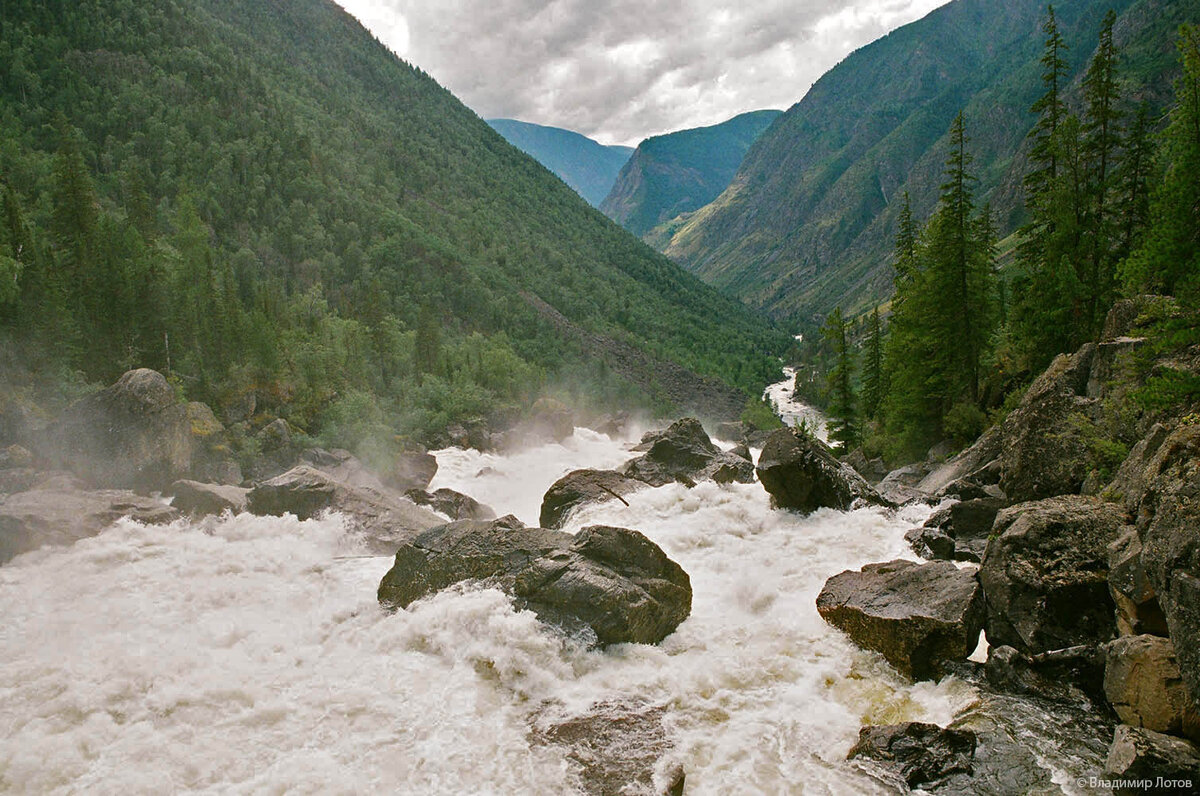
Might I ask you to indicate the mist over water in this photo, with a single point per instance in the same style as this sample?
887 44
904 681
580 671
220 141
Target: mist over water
248 654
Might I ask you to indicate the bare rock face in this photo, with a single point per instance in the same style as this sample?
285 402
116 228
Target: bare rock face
583 487
1045 575
918 616
1138 755
1143 684
62 514
1138 611
685 454
201 500
802 473
384 519
1043 451
613 584
921 754
970 464
958 532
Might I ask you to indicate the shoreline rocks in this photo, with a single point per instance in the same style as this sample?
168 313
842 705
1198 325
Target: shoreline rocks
920 754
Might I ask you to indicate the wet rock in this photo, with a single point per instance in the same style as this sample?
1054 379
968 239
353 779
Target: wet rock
580 488
1045 575
1143 684
1058 675
612 583
618 747
384 519
684 454
1158 763
802 473
742 450
1043 450
918 616
412 470
1168 514
454 505
60 514
200 500
1138 611
922 754
966 525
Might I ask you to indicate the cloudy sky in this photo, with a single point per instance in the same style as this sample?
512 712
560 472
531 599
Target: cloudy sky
622 70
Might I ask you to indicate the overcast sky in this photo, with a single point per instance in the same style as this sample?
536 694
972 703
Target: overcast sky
622 70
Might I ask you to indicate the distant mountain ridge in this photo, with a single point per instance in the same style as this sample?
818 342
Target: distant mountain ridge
682 171
809 220
589 167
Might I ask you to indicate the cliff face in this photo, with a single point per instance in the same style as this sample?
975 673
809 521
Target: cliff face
680 172
809 220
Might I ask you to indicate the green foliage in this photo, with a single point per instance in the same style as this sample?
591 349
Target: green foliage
841 405
759 415
965 422
264 198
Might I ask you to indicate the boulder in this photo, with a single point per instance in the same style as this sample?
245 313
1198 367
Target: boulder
1168 514
619 746
454 505
413 469
1045 574
684 454
1143 684
1151 762
383 519
921 754
918 616
1043 450
57 513
966 525
200 500
583 487
1138 611
611 584
343 467
800 472
900 485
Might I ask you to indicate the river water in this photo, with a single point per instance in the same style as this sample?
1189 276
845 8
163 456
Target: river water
249 655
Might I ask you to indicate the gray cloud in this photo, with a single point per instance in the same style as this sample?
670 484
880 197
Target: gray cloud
622 70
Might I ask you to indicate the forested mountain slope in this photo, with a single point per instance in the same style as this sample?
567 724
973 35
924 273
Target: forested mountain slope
586 165
682 171
261 199
809 221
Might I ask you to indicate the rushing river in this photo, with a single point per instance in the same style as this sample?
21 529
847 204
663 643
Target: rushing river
248 654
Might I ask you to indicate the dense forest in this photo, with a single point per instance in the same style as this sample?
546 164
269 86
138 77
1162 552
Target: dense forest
259 199
1112 200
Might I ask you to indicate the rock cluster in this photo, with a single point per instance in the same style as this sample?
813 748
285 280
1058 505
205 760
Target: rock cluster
801 473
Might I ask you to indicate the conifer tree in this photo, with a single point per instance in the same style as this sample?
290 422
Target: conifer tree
873 382
841 393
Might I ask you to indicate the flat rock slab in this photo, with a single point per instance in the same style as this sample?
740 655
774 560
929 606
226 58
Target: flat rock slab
612 584
918 616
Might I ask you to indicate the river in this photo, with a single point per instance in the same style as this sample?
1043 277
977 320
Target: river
248 654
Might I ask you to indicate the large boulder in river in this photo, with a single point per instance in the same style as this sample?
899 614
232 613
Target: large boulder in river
611 583
201 500
454 505
1044 451
413 469
384 519
921 754
918 616
800 472
61 514
1045 575
135 434
1168 516
583 487
685 454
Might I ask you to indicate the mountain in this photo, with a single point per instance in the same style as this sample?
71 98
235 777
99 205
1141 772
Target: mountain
586 165
682 171
262 201
809 221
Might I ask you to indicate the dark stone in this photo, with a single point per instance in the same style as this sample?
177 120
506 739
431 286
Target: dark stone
922 754
613 582
918 616
412 470
1045 574
200 500
802 473
1163 764
583 487
931 543
900 485
966 524
385 520
1138 611
1059 675
684 454
57 513
454 505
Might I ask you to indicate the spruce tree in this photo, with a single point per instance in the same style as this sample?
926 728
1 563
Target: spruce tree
873 382
839 384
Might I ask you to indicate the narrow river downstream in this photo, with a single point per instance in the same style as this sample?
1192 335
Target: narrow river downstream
248 654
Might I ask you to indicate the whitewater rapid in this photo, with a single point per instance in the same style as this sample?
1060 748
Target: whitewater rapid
248 654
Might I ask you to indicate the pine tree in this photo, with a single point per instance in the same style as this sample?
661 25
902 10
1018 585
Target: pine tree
1050 108
873 382
839 385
